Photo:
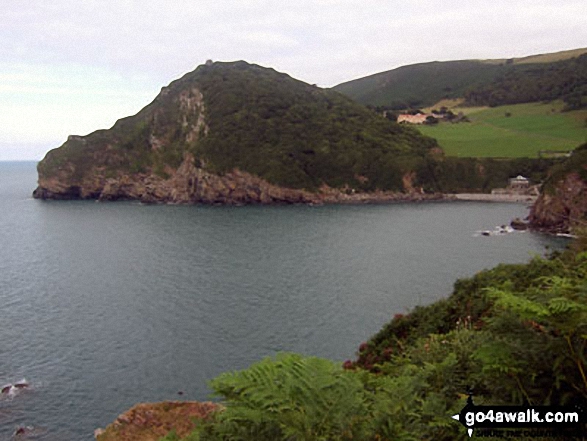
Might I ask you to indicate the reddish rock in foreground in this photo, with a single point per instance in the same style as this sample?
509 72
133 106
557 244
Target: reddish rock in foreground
151 421
563 208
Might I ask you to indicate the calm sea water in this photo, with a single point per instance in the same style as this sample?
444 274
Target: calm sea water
103 305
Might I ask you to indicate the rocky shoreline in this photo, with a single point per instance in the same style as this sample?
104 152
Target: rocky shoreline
152 421
487 197
563 208
190 184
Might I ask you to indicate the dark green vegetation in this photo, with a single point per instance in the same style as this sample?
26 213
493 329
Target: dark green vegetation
456 175
257 120
299 136
515 334
481 82
561 206
237 115
512 131
419 85
576 163
525 83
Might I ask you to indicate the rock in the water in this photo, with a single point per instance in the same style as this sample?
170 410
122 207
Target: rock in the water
519 224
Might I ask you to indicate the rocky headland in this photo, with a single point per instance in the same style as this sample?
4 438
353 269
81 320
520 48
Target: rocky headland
562 204
236 133
189 184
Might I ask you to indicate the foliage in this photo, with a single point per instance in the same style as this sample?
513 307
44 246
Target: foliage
257 120
454 175
418 85
566 80
576 163
306 398
297 135
514 334
290 133
529 323
291 397
492 83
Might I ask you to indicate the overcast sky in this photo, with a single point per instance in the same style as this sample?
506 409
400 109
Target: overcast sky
75 66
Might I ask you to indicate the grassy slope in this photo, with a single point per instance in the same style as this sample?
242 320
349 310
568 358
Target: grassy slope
421 85
530 128
550 58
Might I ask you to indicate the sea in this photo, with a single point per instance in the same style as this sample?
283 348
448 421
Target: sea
105 305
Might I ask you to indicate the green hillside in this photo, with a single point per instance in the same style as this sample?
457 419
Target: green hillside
297 135
529 129
534 78
419 85
525 83
242 116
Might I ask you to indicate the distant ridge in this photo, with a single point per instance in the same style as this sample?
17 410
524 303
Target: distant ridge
545 58
424 84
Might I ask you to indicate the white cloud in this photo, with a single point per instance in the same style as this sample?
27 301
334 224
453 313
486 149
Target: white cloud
104 56
41 105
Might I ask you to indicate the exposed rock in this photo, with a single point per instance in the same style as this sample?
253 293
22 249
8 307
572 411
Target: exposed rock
563 208
408 180
235 133
190 184
12 388
519 224
151 421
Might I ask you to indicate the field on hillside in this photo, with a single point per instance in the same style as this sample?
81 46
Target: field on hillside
527 130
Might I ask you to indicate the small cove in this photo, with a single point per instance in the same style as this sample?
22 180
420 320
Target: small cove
108 304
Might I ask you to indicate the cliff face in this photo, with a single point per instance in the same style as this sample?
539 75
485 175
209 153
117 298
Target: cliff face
234 133
186 184
190 185
563 209
562 204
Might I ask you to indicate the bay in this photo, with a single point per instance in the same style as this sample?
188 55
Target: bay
104 305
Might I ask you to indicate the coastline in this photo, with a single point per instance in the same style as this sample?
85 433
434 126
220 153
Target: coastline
328 197
486 197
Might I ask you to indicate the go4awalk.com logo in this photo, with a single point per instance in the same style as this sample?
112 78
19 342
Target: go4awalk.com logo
544 420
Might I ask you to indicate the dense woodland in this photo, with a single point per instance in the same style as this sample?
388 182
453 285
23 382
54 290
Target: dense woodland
524 83
461 175
419 85
480 83
297 135
260 121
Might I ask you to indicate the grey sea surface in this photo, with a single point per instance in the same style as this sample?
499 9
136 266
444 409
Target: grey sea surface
104 305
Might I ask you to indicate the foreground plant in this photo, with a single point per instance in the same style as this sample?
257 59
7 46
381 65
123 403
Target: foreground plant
513 335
